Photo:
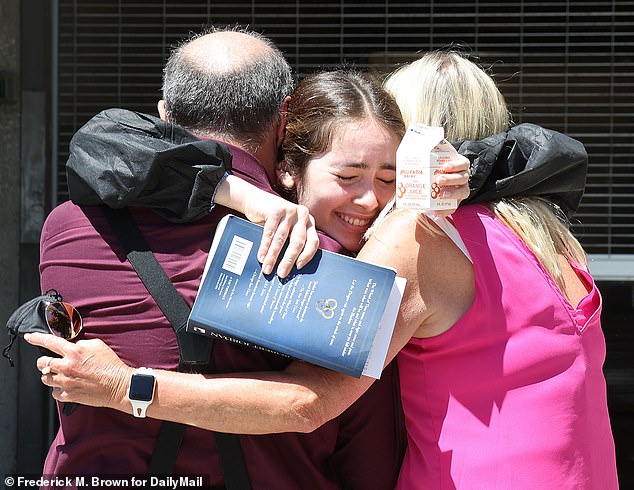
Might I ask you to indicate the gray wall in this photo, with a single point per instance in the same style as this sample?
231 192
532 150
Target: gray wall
9 220
25 47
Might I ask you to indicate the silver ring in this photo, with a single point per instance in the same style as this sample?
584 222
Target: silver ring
47 368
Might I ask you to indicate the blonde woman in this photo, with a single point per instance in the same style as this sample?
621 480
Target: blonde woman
500 356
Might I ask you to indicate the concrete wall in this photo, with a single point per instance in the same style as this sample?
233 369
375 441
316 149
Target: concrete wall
10 221
25 194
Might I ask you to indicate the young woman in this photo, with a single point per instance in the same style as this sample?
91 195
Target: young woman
342 133
500 358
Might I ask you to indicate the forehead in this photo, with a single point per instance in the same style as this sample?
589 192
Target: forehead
368 131
363 144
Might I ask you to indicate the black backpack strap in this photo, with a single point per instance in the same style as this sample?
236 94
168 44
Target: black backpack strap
166 448
194 350
232 462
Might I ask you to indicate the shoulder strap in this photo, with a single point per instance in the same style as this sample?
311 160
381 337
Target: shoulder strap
446 225
193 350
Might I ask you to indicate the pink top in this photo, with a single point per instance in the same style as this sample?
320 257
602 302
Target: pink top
513 395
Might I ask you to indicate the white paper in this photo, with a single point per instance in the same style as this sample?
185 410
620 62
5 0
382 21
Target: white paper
376 359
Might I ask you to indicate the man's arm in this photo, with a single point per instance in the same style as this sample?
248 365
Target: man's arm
299 399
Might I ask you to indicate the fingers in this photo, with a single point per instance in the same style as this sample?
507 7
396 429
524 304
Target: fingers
454 181
273 238
56 381
49 369
448 181
302 246
46 367
89 373
299 227
455 172
460 193
48 341
457 164
311 246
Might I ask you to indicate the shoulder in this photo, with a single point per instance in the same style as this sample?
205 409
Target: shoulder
63 216
397 239
440 278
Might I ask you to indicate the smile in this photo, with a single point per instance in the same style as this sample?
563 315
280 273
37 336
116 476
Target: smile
354 221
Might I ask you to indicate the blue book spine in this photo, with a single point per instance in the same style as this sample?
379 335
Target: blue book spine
326 314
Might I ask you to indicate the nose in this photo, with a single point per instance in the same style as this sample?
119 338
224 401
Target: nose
367 198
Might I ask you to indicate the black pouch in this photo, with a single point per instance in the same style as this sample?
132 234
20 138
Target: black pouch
30 317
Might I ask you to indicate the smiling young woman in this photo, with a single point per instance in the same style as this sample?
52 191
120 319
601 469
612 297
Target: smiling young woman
342 133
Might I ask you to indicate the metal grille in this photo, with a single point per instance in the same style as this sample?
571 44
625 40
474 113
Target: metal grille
567 65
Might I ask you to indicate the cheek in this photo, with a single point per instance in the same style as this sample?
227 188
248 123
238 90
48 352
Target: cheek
311 198
385 194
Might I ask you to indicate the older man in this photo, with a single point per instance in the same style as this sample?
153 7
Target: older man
231 86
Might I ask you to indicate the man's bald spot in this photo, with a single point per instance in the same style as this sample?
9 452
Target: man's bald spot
224 51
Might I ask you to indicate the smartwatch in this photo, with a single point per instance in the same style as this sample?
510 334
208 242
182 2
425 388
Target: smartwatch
141 391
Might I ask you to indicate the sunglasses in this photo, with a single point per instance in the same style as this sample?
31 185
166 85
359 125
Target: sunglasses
63 319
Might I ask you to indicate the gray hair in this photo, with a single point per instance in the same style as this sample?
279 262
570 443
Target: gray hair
240 104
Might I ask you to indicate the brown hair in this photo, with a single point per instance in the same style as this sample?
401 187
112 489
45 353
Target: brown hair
325 101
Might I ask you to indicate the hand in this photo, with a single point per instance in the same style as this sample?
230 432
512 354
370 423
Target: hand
281 220
454 181
88 371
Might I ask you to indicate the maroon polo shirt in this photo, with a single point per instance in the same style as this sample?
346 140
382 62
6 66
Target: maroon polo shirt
83 260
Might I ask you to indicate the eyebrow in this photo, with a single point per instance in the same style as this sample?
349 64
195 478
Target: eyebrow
384 166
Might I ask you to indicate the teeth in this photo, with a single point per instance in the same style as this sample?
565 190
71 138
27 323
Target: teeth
354 221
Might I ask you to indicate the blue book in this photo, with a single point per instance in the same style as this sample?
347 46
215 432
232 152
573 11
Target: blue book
337 312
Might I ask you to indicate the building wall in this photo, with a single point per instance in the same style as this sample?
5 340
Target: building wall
25 190
566 65
9 218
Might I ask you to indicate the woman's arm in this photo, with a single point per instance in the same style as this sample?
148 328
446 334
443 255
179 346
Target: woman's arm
281 220
299 399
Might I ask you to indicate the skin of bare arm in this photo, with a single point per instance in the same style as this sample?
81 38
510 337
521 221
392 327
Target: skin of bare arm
439 290
281 220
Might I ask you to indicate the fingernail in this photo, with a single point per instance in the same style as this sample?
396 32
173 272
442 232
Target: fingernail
26 336
266 269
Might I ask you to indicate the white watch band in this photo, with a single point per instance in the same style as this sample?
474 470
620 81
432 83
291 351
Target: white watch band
139 408
141 391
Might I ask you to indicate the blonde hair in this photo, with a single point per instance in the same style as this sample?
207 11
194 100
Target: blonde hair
544 228
443 88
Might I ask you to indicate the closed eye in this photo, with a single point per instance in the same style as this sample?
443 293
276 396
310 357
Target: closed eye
345 177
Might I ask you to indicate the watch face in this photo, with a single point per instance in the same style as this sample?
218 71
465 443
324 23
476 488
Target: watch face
141 387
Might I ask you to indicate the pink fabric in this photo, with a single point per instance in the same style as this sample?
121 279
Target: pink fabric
513 395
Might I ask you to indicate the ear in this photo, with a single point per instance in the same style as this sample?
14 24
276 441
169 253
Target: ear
162 110
281 129
285 178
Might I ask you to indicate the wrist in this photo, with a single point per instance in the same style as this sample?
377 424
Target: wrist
231 193
141 390
119 398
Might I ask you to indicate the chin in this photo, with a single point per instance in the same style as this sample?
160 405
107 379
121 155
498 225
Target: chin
352 247
346 240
